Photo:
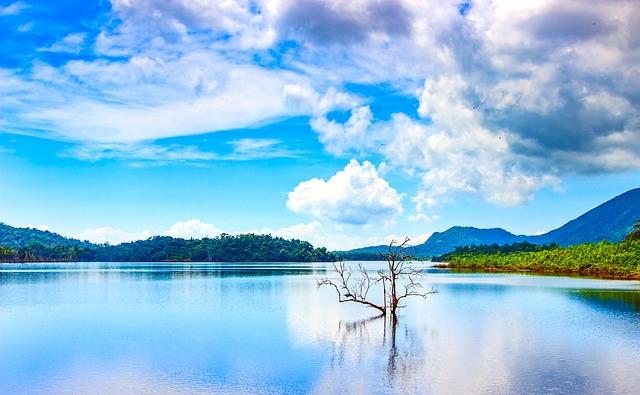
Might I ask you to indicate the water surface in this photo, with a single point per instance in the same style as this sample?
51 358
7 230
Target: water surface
118 328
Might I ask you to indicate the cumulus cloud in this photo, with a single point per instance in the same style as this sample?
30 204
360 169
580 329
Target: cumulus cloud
513 96
356 195
339 138
334 236
192 229
318 233
189 229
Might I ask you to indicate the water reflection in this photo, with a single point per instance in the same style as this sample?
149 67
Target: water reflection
206 328
611 299
109 271
372 355
481 334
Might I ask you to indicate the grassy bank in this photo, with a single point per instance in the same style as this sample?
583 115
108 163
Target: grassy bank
604 259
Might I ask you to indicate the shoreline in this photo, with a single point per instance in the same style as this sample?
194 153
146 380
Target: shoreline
596 274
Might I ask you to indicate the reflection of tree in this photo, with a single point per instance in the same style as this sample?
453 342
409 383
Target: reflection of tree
373 338
611 299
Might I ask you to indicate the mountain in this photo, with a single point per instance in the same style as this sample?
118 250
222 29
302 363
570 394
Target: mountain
22 237
442 242
610 221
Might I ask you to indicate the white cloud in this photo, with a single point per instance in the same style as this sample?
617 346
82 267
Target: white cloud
12 9
25 27
188 229
148 152
71 43
513 96
355 195
306 100
156 154
169 98
107 234
250 148
339 138
319 233
192 229
334 236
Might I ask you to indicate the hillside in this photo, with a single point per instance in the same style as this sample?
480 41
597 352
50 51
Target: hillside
21 237
610 221
443 242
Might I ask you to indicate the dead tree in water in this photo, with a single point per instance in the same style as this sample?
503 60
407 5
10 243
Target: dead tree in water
399 281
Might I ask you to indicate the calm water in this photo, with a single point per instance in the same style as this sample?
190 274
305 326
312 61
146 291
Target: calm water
222 328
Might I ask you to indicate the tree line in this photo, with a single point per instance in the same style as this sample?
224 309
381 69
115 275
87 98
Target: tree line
603 259
223 248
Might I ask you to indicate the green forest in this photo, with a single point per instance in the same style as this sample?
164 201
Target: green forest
224 248
604 259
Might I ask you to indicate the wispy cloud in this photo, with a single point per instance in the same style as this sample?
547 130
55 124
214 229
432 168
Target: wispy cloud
13 8
153 154
140 152
249 149
25 27
71 43
5 150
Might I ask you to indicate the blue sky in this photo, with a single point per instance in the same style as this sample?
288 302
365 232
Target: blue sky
343 123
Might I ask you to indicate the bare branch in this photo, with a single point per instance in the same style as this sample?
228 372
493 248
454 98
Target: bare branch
399 281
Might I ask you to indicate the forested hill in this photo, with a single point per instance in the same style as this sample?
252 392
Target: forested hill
21 237
224 248
31 245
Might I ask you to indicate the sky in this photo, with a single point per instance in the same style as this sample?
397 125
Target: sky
342 123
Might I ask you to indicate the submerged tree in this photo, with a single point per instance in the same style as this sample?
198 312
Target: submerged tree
399 281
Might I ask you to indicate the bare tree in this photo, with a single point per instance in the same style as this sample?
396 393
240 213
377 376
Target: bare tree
399 281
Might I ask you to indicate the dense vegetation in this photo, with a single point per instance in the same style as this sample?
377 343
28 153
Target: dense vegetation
484 249
377 253
13 237
224 248
605 259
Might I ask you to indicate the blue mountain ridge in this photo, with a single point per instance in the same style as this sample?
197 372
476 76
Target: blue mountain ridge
610 221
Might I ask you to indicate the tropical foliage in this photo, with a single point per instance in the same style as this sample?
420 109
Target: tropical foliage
21 237
493 249
604 259
224 248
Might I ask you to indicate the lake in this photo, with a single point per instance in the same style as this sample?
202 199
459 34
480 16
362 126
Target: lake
118 328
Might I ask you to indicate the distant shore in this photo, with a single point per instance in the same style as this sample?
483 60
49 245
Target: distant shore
602 260
599 275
